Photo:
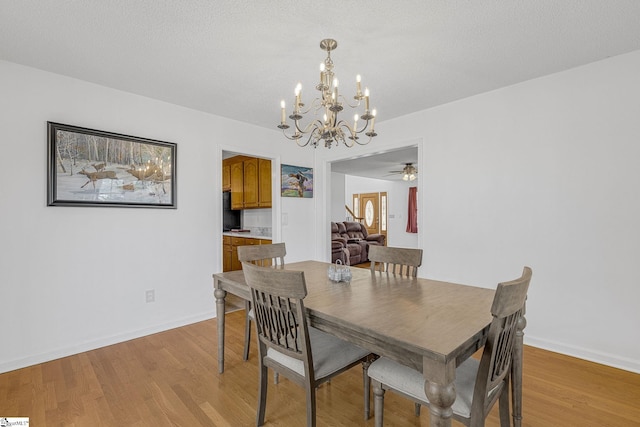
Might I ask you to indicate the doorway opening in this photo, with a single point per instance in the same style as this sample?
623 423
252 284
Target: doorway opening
376 173
247 193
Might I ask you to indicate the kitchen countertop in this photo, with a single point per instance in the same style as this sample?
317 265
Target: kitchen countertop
250 234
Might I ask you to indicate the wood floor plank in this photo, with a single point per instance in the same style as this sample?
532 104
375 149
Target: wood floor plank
171 379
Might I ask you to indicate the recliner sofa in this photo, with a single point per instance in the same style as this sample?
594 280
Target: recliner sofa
350 242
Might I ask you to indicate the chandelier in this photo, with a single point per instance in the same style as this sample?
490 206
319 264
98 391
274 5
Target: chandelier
409 172
329 128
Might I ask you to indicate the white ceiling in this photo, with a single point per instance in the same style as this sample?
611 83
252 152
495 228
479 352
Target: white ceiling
387 166
238 58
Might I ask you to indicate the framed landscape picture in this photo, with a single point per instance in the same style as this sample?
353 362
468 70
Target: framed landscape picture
88 167
297 181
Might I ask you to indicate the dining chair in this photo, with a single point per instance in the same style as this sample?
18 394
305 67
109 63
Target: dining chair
478 384
401 261
288 345
265 256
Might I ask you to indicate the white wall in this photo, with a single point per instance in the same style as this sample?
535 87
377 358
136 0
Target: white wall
398 196
252 218
544 174
72 278
338 197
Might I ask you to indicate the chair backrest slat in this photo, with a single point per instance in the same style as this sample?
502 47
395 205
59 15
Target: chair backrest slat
398 261
277 297
263 255
507 309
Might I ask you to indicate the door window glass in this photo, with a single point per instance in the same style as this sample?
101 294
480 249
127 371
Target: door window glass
368 213
383 214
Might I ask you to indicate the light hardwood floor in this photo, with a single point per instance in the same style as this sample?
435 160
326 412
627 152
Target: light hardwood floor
171 379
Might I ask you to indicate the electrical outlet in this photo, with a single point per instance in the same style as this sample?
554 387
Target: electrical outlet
150 295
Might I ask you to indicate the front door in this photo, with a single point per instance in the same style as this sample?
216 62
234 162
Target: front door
370 212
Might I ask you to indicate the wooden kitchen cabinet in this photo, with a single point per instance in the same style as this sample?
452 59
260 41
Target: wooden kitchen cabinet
226 175
264 183
230 250
237 183
250 182
226 253
235 262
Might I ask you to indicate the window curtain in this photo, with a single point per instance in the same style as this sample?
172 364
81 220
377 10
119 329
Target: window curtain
412 217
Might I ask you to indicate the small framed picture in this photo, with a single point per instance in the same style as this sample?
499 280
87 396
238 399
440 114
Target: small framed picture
88 167
297 181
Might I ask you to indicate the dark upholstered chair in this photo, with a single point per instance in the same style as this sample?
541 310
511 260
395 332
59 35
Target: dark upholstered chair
340 252
355 252
356 230
339 249
354 237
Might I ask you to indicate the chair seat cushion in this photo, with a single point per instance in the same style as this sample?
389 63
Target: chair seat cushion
330 354
411 382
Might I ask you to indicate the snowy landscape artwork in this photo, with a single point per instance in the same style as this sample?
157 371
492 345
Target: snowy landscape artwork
88 167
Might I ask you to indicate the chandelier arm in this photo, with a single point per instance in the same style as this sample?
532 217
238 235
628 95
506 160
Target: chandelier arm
306 143
292 138
314 104
366 125
364 143
343 124
311 126
297 140
353 136
346 101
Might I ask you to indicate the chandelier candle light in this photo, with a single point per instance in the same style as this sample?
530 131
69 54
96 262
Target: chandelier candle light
330 128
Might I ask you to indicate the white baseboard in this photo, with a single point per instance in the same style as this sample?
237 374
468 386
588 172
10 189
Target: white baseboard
583 353
102 342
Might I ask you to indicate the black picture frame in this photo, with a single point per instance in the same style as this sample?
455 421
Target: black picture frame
89 167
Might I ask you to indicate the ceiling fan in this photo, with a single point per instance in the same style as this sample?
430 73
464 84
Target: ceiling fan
409 172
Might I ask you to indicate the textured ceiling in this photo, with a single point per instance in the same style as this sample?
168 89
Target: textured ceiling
238 58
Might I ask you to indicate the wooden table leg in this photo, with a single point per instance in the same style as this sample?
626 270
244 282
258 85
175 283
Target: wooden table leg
516 371
440 389
367 387
220 296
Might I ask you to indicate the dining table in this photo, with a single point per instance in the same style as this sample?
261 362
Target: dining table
429 325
